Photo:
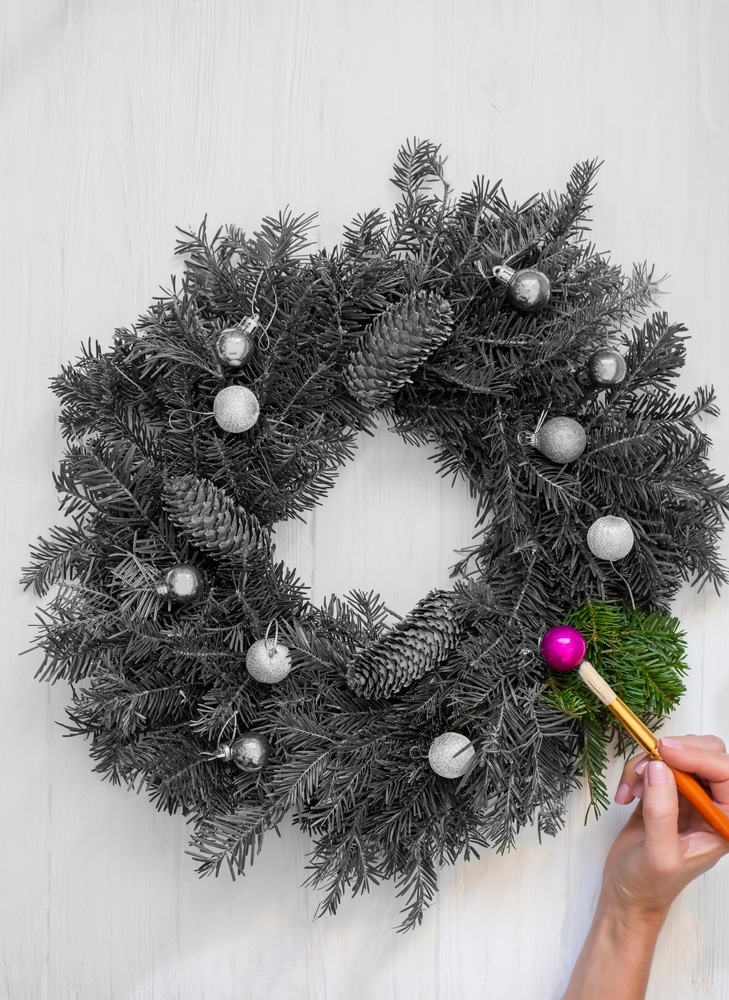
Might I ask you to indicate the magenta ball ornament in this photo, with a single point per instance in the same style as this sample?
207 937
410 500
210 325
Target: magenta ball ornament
563 648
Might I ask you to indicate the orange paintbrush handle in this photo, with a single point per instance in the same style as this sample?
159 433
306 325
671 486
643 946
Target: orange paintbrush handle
702 802
686 783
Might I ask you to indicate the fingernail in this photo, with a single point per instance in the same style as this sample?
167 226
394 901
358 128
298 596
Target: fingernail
640 765
623 795
668 742
657 773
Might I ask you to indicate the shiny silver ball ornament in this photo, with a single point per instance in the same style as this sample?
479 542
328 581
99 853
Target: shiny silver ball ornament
236 409
250 752
560 439
610 538
235 345
450 754
268 661
606 367
184 583
528 290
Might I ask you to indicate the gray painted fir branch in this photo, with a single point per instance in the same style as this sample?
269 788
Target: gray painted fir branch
402 318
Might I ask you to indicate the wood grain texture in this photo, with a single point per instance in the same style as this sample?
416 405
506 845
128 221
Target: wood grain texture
120 122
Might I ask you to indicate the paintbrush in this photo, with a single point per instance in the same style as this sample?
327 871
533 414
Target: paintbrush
563 648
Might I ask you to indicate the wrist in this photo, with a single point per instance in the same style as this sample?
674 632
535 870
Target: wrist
625 918
616 957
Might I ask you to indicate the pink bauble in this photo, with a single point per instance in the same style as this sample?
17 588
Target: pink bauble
563 647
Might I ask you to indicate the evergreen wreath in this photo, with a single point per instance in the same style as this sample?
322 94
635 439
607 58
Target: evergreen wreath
200 670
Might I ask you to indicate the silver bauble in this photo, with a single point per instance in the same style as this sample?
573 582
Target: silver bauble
249 752
236 409
234 346
268 662
610 538
527 290
450 754
561 439
606 367
183 582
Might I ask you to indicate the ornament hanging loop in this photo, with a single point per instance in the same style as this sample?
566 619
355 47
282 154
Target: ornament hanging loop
223 752
271 644
254 323
630 592
189 413
264 341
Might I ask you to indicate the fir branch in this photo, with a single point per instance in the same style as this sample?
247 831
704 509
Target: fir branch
58 558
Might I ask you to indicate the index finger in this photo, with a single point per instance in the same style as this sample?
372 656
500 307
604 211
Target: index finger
703 756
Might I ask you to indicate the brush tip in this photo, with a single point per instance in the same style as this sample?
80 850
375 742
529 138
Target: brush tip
563 648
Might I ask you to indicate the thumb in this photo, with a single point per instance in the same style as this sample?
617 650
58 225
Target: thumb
660 818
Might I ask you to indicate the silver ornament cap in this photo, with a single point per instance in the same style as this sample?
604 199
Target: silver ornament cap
268 661
610 538
560 439
450 754
236 409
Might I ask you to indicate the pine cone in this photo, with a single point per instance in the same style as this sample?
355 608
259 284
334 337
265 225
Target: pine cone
395 345
414 647
212 521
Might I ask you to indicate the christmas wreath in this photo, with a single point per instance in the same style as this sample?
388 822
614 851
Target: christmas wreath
199 668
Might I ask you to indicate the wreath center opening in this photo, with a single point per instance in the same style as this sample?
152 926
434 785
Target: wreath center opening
391 524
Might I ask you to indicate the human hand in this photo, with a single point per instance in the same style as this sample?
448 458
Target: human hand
663 846
666 843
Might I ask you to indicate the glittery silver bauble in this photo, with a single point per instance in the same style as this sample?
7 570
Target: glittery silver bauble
268 661
610 538
235 345
561 439
527 290
250 752
450 754
183 582
606 367
236 409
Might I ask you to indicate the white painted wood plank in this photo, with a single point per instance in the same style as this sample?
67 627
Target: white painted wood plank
120 122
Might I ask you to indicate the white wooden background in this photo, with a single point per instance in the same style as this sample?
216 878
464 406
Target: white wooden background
122 120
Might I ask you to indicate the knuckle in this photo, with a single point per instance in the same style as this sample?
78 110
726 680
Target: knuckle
660 811
712 742
707 741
